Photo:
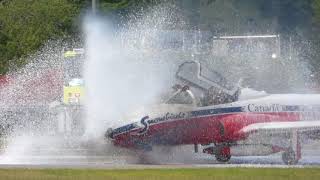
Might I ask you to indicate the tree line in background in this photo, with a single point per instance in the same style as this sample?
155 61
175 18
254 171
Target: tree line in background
27 25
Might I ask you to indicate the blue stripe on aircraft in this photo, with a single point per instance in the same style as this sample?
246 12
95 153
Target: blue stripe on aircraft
124 128
292 108
192 114
215 111
207 112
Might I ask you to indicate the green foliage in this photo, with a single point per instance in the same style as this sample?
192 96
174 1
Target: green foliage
26 25
123 4
107 5
120 9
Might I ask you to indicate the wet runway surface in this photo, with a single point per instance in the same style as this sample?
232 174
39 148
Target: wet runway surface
99 155
119 162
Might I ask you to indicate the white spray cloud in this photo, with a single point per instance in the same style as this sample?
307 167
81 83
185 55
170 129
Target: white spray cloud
121 74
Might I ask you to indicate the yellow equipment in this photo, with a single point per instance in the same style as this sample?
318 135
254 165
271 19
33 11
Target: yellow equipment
73 90
74 53
73 95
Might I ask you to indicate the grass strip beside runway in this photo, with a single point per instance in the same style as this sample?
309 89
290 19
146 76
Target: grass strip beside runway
163 174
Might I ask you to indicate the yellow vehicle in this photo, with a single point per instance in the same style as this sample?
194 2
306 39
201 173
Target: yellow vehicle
69 112
73 94
73 89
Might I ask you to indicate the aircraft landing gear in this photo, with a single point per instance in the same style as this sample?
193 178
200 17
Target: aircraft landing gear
292 155
222 153
289 157
223 158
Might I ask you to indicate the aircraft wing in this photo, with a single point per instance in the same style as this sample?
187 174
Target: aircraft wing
300 126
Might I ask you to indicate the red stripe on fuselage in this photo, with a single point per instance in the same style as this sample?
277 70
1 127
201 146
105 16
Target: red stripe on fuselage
200 130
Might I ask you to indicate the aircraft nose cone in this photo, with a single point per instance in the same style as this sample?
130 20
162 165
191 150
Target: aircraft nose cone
109 134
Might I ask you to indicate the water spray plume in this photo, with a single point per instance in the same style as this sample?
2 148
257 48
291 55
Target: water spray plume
123 71
128 69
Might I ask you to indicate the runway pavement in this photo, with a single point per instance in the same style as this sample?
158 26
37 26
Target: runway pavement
51 154
115 162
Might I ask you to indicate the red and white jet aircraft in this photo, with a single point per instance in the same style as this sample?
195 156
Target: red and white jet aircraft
254 127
